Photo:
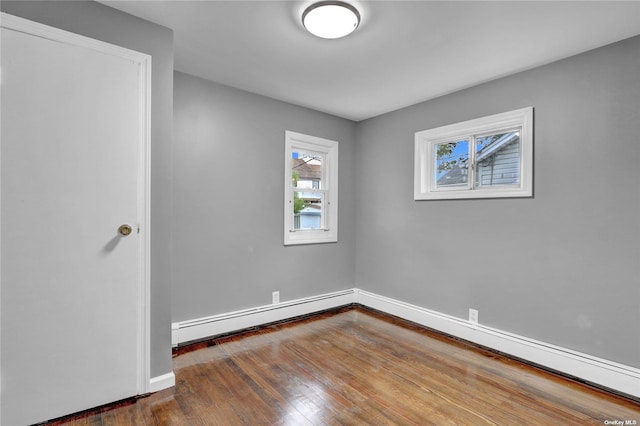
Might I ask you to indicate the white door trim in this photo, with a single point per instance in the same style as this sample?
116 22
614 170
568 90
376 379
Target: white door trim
144 63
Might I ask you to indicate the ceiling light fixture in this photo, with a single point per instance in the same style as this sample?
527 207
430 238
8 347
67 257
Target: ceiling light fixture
331 19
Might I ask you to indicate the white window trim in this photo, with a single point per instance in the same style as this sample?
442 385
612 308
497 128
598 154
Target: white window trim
329 233
424 164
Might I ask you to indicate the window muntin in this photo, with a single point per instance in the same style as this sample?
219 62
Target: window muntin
311 181
489 157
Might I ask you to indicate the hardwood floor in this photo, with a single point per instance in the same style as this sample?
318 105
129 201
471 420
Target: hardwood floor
357 367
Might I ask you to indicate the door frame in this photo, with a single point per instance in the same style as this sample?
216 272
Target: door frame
144 177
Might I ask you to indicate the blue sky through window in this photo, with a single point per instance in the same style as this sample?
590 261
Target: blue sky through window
446 162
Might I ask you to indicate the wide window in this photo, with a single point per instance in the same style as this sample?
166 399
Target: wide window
489 157
311 190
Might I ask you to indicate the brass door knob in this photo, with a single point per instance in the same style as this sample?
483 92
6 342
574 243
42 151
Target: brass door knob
124 229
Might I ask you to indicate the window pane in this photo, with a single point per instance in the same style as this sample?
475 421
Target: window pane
307 210
498 159
306 170
452 164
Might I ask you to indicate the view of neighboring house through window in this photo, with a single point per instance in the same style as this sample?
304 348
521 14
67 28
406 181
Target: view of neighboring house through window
489 157
306 176
496 161
311 176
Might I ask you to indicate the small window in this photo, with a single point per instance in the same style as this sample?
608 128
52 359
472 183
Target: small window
489 157
311 190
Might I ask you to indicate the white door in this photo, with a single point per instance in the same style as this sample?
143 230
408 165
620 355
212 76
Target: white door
73 170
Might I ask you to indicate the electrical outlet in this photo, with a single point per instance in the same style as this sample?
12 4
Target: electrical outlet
275 297
473 316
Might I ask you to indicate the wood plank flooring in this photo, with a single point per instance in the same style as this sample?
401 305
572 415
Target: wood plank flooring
358 367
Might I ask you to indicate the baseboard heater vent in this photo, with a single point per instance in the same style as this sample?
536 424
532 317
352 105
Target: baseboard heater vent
185 332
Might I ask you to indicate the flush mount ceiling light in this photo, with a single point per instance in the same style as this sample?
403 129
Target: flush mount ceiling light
331 19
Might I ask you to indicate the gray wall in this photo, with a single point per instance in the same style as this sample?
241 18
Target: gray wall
103 23
562 267
227 249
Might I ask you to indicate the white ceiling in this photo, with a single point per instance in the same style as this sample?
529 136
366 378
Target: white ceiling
404 52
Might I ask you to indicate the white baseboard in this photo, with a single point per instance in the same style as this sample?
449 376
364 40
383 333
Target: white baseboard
159 383
202 328
612 375
618 377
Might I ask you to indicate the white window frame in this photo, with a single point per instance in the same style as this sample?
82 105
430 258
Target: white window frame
329 226
424 159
